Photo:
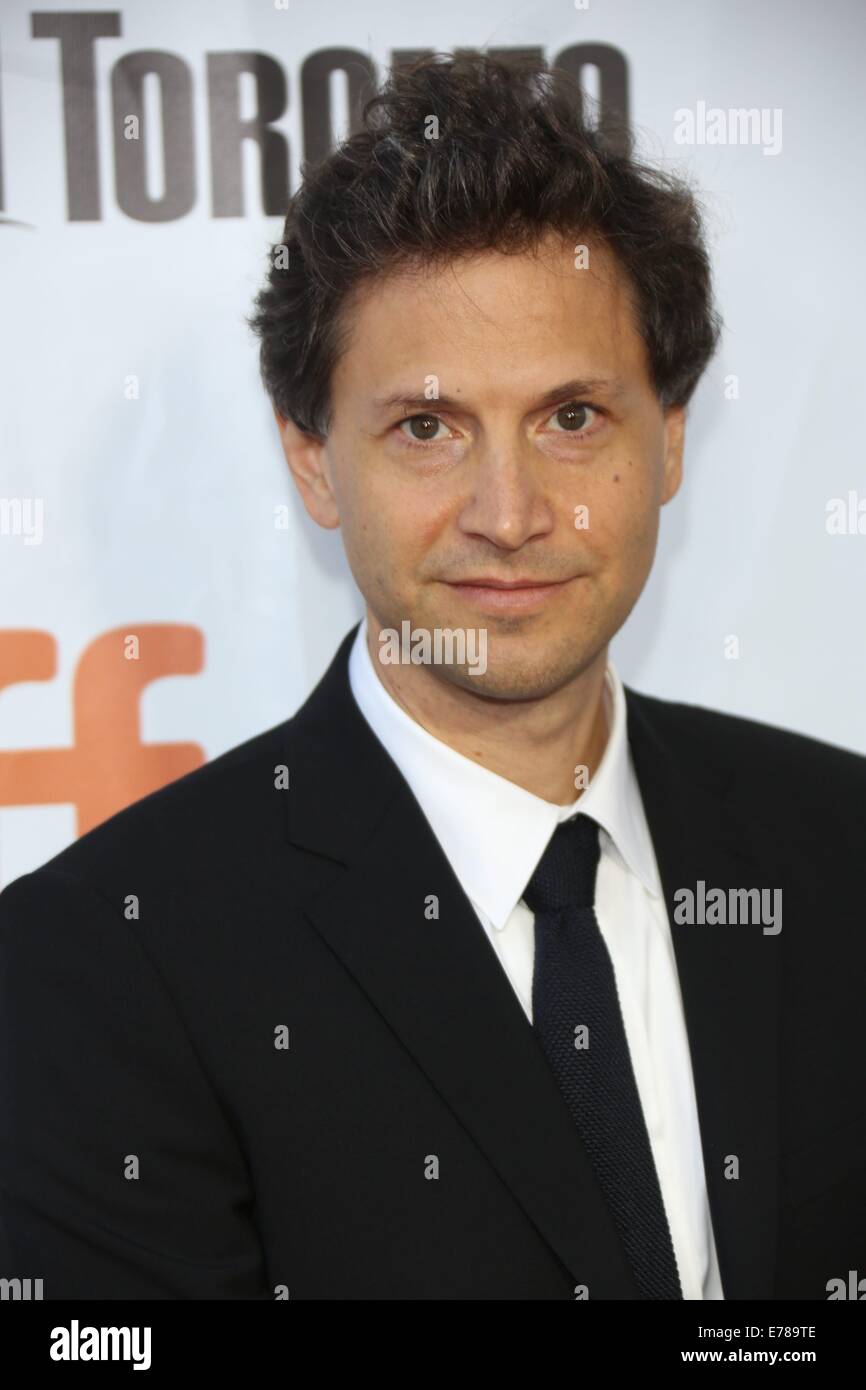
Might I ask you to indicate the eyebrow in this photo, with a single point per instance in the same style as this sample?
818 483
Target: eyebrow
567 390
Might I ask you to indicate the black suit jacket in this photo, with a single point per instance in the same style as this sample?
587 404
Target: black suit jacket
157 1144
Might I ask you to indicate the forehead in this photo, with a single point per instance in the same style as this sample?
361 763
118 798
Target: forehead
526 314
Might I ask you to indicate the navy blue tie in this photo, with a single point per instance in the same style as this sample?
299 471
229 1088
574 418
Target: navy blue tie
578 1021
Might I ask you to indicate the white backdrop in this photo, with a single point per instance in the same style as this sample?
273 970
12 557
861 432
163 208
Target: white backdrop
141 468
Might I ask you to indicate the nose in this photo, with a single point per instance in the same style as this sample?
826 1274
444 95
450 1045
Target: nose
506 503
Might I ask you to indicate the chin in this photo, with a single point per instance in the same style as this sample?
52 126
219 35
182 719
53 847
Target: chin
514 676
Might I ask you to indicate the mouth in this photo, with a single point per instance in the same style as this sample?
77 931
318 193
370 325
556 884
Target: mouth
508 596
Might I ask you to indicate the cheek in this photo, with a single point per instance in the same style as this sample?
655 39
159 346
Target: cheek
416 519
623 519
389 535
366 502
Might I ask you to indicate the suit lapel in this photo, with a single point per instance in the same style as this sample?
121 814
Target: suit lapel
371 864
729 980
437 983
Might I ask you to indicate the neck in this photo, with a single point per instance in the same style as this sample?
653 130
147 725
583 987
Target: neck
536 744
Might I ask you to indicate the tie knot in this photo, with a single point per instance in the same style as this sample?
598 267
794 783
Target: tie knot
565 874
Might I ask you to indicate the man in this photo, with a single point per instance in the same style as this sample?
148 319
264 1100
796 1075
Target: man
484 976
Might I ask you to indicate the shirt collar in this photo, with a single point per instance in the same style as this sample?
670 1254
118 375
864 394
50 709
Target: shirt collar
458 796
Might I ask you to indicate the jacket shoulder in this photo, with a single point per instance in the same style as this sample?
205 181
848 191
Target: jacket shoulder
206 812
754 748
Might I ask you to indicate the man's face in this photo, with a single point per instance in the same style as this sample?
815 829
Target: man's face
491 483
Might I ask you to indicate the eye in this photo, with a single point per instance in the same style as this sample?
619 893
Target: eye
424 429
574 418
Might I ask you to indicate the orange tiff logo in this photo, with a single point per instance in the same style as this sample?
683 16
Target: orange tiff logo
107 767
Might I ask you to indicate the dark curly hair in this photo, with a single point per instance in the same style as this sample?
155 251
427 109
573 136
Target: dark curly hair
514 159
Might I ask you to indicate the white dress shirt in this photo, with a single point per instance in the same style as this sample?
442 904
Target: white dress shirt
493 834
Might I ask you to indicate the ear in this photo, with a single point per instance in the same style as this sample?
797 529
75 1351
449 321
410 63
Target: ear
308 465
674 442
